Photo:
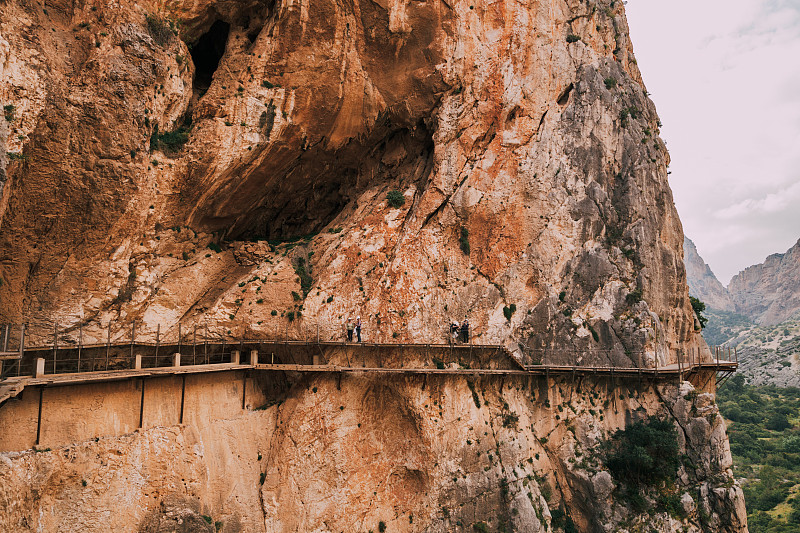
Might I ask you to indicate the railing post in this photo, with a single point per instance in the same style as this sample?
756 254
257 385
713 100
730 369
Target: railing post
39 372
205 347
158 341
80 343
108 344
253 357
656 358
176 359
137 362
21 347
235 357
55 344
133 337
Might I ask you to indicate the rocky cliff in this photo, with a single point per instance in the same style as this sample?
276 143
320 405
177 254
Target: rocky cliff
520 138
269 168
457 455
770 291
703 284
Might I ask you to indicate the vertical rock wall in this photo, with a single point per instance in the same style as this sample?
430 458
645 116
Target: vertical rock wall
516 454
520 135
533 198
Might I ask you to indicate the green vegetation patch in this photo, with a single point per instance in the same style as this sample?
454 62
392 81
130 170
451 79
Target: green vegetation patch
723 326
395 199
9 112
645 453
463 241
644 459
169 142
306 281
764 433
698 307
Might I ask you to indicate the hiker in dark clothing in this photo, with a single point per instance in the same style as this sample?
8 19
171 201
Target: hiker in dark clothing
453 331
349 326
358 328
465 331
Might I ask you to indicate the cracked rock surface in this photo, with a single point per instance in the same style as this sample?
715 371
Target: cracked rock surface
409 162
528 165
437 459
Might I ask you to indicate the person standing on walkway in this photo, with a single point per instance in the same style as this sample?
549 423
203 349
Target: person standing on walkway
465 331
358 327
453 331
349 327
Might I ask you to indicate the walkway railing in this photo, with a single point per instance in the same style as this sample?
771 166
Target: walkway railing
67 354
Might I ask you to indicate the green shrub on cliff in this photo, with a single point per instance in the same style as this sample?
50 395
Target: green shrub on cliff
170 141
161 30
645 453
8 112
463 241
698 308
306 280
644 458
395 199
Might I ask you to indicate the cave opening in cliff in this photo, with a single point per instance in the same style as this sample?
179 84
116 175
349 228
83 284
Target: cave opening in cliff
207 53
287 197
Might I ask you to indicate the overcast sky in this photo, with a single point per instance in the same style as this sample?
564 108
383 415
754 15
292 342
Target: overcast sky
725 77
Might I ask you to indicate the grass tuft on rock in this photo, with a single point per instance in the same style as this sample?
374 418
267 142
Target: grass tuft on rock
395 199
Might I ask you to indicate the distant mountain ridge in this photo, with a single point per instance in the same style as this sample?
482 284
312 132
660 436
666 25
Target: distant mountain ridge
767 293
703 284
758 313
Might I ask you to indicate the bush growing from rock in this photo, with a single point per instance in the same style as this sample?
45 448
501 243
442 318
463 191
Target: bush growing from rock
395 199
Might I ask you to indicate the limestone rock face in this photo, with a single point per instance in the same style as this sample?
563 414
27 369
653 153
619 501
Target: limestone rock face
703 284
408 162
519 136
517 455
770 291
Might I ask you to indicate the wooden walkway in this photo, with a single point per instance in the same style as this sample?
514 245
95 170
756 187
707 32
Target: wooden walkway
69 364
13 386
